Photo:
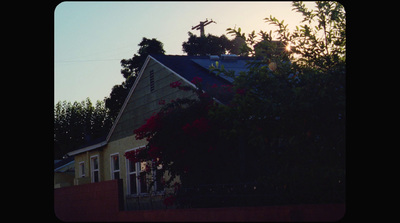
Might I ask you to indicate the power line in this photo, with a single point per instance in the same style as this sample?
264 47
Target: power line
83 61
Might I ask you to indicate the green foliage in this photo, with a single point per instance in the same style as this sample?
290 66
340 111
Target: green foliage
77 123
197 156
130 69
131 66
293 113
205 45
284 127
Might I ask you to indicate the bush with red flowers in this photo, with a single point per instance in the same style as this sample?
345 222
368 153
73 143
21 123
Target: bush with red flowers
282 124
186 140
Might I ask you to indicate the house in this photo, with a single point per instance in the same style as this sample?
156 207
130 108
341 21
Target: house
64 172
104 160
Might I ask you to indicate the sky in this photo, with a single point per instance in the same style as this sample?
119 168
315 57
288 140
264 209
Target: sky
91 38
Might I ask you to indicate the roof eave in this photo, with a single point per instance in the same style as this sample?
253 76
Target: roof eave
60 167
88 148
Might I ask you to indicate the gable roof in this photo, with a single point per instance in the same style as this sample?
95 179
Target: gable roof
63 163
185 67
191 66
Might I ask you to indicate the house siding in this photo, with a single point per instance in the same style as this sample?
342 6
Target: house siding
85 157
144 103
140 106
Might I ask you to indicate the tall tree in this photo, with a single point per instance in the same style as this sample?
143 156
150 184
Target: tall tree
285 127
203 45
77 123
131 66
130 69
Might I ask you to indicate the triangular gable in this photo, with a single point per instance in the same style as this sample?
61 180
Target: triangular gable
103 143
134 112
175 68
128 98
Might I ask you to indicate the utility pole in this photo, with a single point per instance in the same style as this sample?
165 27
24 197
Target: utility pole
201 26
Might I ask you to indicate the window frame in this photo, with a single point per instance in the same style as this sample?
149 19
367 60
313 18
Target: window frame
112 170
81 169
138 191
138 171
93 170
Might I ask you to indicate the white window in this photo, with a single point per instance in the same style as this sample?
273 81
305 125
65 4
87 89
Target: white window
131 178
138 179
94 168
136 176
82 169
114 164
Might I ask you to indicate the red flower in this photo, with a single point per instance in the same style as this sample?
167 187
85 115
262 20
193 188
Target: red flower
154 152
175 84
201 124
240 91
204 95
227 88
197 80
161 102
152 125
187 128
134 155
198 126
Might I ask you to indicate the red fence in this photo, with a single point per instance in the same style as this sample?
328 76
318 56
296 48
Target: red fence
318 213
104 202
89 202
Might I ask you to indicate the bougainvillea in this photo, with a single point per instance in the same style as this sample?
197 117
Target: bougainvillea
198 127
181 136
175 84
135 155
153 124
197 80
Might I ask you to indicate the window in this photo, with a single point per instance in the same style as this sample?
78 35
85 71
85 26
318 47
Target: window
131 179
151 81
82 169
94 166
114 164
159 184
138 179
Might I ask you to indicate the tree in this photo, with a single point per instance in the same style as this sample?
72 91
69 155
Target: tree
131 66
204 45
293 111
78 123
130 69
285 125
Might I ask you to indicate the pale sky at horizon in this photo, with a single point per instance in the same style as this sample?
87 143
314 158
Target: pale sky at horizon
91 38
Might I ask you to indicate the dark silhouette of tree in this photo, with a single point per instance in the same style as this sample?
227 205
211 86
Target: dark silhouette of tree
131 66
284 128
78 123
206 45
130 69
